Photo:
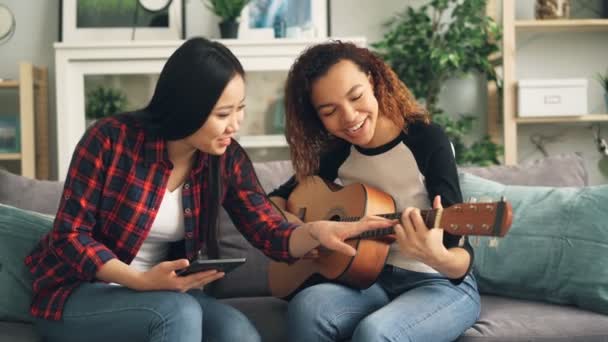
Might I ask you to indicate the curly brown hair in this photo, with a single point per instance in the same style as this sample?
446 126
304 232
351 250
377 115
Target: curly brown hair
307 137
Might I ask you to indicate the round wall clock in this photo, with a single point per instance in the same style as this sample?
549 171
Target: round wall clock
7 24
155 5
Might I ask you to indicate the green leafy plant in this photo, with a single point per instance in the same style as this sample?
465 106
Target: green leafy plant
603 79
438 41
104 101
228 10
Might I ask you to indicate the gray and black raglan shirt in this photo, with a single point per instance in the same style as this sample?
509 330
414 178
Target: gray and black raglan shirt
413 168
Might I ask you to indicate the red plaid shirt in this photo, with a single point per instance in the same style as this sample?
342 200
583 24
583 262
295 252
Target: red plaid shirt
114 187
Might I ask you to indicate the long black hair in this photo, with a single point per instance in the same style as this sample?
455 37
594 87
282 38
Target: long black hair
188 88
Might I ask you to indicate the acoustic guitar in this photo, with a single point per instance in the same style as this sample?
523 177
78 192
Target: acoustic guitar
317 199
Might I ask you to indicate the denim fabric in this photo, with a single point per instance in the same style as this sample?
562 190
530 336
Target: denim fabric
100 312
401 306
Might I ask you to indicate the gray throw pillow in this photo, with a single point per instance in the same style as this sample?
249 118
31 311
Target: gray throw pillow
559 171
30 194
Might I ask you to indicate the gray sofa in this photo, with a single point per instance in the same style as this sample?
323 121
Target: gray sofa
502 319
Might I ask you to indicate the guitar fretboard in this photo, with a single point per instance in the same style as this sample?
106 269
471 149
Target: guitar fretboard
427 215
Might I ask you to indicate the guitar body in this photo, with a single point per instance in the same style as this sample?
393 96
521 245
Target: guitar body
315 199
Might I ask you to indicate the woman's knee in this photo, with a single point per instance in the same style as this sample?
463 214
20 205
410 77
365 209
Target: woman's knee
311 303
226 323
240 330
178 311
370 329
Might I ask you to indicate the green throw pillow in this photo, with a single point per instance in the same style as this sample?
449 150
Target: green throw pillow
556 249
20 230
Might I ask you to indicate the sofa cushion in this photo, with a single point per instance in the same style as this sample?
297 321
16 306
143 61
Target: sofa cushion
18 332
556 249
540 172
30 194
513 320
20 230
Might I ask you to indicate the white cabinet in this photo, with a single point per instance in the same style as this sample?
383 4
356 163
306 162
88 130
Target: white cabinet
76 61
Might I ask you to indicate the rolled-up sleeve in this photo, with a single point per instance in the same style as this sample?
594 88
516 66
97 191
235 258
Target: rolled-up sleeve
72 239
252 212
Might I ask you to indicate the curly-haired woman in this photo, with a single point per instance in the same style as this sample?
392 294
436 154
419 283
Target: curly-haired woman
350 118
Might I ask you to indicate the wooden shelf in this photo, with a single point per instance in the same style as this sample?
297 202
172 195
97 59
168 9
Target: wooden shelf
9 84
511 29
32 89
563 119
573 25
10 156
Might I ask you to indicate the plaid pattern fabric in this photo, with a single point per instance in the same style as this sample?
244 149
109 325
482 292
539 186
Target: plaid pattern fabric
114 187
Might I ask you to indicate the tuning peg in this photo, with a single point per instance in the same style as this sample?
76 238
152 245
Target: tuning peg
474 241
472 200
493 242
461 241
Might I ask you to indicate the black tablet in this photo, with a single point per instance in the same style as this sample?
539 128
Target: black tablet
221 265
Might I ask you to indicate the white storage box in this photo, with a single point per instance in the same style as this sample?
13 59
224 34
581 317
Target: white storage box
552 97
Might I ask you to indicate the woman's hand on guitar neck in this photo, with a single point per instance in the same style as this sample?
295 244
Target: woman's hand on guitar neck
417 241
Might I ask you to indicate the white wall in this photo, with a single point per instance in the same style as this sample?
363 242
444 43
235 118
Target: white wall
574 55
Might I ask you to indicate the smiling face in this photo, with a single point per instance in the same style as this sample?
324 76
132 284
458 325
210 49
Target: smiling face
345 102
224 120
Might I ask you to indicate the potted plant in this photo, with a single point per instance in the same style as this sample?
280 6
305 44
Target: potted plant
440 40
229 11
104 101
603 79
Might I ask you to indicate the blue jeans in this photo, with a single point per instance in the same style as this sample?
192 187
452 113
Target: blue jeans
108 313
401 306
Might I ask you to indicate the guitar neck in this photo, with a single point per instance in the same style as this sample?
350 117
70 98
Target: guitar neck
477 218
429 216
489 219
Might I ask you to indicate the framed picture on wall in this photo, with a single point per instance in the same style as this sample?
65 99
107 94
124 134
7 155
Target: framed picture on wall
95 20
284 19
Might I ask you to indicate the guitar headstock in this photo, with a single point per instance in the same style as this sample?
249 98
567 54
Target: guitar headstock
484 218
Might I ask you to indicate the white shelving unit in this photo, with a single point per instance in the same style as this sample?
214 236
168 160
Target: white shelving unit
75 61
511 27
32 88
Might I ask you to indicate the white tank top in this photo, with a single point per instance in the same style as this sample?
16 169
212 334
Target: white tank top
168 226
